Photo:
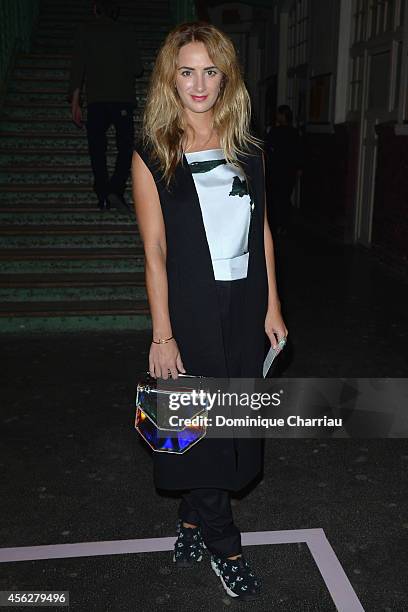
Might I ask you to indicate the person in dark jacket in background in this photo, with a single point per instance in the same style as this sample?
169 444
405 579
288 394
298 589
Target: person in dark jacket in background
284 163
106 59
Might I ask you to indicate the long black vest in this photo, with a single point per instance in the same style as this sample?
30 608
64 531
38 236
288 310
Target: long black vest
195 320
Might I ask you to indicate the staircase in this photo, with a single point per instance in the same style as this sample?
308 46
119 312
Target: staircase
64 265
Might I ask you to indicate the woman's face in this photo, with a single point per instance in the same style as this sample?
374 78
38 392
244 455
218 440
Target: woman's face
198 81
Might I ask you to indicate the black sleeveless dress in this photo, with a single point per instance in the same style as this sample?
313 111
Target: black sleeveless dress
196 322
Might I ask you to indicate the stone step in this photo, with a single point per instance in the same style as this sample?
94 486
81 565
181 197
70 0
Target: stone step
43 84
47 8
52 117
85 198
136 12
38 162
63 152
68 208
148 29
147 54
42 188
82 264
58 208
45 98
76 320
64 254
71 218
30 295
51 309
62 62
84 9
34 168
67 30
62 310
10 173
43 66
47 5
146 44
40 61
18 243
133 14
49 49
65 46
36 124
72 18
17 179
54 104
49 141
84 279
14 100
58 74
57 115
42 99
34 229
46 73
45 139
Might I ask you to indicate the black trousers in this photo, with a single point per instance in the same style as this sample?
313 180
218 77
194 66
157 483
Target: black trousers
211 508
101 115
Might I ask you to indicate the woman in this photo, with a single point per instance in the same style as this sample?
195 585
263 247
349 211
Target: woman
198 187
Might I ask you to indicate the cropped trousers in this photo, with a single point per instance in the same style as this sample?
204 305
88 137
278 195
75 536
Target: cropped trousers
211 508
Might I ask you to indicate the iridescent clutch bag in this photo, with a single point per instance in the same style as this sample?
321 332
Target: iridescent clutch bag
162 425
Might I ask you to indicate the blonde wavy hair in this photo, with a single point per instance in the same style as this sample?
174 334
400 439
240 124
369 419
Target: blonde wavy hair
164 125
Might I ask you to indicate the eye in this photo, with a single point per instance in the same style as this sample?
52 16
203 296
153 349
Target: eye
186 73
212 72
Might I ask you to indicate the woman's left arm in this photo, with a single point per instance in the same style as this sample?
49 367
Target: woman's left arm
274 323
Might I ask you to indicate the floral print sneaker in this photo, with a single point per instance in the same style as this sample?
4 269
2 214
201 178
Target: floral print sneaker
236 577
189 546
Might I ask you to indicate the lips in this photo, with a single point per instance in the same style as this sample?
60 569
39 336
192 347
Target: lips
199 98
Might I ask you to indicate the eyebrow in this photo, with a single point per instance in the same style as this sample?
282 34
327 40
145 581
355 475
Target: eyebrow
188 68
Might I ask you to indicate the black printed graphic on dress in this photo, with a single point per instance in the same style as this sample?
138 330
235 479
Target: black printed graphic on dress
239 187
206 166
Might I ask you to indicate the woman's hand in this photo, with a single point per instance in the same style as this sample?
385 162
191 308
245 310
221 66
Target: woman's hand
76 113
274 324
76 110
165 359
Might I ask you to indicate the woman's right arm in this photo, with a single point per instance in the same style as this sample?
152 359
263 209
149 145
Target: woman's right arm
163 358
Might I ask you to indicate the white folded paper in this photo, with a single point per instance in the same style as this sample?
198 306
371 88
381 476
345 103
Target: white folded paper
271 356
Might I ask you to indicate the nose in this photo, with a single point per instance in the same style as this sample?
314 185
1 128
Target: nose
199 82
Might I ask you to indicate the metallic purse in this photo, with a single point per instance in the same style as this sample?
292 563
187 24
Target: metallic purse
153 403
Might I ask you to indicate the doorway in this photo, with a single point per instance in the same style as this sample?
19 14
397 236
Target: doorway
375 110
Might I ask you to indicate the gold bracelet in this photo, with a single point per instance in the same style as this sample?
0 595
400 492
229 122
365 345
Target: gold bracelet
160 341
